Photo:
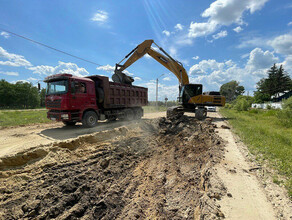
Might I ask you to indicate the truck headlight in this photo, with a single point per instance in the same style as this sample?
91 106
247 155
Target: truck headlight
65 116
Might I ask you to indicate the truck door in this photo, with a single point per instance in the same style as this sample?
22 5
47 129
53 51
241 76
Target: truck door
79 95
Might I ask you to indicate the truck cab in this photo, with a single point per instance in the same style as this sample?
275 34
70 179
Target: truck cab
68 97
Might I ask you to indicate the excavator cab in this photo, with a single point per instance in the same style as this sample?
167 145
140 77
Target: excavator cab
188 91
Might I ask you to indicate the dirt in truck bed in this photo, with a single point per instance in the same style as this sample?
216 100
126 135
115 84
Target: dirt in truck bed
154 168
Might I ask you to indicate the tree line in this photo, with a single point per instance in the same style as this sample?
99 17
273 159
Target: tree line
277 81
21 95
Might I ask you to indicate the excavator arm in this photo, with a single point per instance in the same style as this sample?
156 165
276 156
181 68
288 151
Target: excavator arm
164 59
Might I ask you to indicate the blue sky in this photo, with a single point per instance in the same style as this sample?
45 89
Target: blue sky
216 40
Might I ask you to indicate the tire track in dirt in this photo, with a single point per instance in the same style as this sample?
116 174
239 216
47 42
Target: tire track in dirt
150 169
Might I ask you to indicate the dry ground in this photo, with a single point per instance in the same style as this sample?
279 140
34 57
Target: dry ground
153 168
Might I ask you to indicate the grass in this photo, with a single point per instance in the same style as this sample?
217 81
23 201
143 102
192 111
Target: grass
25 117
266 138
32 116
151 109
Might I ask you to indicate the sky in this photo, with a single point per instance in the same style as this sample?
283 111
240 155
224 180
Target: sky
216 40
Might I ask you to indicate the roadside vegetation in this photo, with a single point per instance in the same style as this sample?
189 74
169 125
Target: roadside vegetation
20 95
25 117
267 133
35 116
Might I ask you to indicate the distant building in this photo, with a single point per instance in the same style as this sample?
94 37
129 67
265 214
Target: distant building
282 96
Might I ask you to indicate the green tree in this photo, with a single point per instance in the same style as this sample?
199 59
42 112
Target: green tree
7 94
231 90
18 95
42 97
278 81
260 97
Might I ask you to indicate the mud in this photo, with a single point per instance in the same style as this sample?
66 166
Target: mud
155 168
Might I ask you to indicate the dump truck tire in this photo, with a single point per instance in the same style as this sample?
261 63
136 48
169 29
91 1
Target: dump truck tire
138 113
89 119
129 114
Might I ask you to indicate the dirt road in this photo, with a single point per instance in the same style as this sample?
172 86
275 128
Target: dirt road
154 168
21 138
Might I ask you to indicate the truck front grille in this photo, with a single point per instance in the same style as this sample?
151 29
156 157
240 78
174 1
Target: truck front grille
53 103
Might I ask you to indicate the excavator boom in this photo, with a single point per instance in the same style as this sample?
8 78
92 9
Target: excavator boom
164 59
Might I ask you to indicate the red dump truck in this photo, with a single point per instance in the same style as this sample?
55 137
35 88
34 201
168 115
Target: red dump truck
72 99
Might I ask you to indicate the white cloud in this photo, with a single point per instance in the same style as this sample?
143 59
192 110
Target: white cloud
136 78
5 34
238 29
166 78
290 23
221 34
10 73
195 57
147 56
62 67
226 12
253 42
13 59
223 12
173 51
178 27
167 33
282 44
244 55
288 64
259 59
171 92
110 69
204 66
21 80
32 79
183 40
213 74
201 29
107 68
100 16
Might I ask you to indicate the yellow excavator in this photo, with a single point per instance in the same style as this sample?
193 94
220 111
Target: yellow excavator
191 97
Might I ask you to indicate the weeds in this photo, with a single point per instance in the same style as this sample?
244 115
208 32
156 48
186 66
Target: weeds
266 137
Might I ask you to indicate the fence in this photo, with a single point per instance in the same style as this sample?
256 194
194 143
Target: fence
274 105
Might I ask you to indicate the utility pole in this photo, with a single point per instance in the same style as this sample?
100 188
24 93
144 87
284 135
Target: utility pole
157 91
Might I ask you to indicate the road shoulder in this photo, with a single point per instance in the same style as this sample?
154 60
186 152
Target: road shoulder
248 197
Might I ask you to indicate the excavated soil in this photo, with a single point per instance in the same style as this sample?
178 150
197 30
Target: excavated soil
153 169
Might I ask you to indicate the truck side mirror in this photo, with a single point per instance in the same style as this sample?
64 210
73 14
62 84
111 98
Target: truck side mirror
39 86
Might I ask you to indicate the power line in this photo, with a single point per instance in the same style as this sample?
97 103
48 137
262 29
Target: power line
52 48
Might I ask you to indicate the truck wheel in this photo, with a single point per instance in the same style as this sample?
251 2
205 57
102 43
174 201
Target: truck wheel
129 114
89 119
138 113
201 113
69 123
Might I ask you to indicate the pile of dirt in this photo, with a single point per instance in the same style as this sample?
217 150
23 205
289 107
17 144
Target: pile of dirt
157 168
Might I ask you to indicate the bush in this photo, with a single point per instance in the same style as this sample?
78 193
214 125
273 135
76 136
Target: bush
254 111
285 117
242 103
228 106
287 104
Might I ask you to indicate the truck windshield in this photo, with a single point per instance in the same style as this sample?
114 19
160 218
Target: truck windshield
57 87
